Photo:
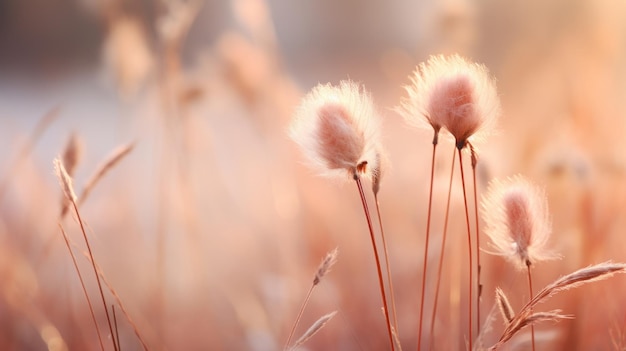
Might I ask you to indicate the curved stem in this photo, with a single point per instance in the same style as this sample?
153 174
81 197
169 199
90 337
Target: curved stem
441 254
425 263
469 242
379 270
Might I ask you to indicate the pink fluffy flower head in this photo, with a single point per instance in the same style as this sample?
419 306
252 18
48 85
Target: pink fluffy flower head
518 222
337 129
453 93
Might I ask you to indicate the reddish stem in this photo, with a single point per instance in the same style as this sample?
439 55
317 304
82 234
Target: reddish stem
388 266
443 246
530 291
117 334
82 284
380 273
425 263
469 241
95 270
295 324
478 267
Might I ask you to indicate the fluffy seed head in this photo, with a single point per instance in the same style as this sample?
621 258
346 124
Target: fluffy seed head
453 93
518 223
337 129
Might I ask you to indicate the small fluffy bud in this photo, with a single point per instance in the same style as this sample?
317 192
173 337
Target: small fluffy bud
517 221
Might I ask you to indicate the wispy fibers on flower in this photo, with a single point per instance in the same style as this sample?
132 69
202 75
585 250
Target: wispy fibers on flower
517 221
463 97
338 130
466 99
452 93
518 224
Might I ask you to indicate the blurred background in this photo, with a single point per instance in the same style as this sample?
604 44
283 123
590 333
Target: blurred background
211 229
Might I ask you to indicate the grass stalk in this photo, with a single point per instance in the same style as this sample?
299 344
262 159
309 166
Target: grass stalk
479 287
295 324
392 299
106 310
378 267
530 296
82 284
117 333
469 241
426 244
443 248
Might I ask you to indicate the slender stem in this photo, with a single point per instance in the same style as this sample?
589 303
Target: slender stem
82 284
295 324
478 267
95 270
119 302
117 333
443 247
530 291
389 280
426 244
469 241
380 273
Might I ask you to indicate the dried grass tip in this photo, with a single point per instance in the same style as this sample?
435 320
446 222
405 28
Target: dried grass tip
327 263
505 306
316 327
64 179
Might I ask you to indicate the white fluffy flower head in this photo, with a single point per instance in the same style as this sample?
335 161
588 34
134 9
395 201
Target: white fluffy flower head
337 129
518 222
454 93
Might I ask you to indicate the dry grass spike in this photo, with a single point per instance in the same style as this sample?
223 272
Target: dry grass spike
316 327
505 306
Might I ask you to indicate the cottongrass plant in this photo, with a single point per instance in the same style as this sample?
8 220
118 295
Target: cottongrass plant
420 110
468 96
452 93
518 224
337 129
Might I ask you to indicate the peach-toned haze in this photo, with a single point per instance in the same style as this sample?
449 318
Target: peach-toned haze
209 223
